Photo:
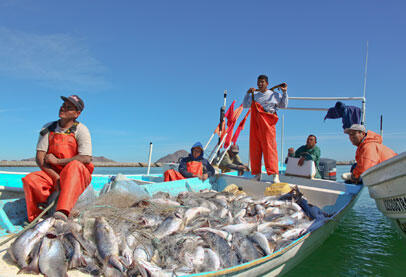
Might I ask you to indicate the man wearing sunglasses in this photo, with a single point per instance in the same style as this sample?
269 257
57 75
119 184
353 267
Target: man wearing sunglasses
64 155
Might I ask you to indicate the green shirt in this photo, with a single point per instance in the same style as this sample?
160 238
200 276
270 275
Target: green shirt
312 154
228 163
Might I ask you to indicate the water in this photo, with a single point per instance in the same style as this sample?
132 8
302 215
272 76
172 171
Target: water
364 243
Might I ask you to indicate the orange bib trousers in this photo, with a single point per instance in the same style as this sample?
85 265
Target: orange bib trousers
74 178
263 140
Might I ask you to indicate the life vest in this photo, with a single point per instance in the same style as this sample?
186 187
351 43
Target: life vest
195 167
63 145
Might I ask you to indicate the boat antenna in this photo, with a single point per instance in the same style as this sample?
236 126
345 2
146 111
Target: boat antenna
365 87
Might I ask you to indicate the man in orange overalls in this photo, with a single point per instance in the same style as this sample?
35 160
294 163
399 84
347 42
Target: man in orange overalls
64 154
264 104
370 150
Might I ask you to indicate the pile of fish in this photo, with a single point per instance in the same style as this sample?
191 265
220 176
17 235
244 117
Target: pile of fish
120 235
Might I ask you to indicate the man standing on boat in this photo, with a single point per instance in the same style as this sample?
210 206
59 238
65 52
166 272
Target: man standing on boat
370 150
264 104
64 154
308 152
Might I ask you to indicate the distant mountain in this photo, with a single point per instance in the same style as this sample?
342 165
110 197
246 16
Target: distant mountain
173 158
94 159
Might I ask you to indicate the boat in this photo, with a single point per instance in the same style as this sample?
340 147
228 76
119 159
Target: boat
334 198
386 183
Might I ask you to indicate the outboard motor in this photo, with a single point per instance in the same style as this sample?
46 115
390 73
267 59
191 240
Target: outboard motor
327 169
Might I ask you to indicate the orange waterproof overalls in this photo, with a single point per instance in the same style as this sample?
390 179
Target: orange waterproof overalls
263 140
194 167
74 177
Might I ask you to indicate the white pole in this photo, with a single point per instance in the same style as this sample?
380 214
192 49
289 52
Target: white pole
365 87
218 148
149 158
224 153
207 144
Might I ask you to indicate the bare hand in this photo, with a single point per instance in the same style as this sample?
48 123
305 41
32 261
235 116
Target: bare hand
301 161
251 90
284 88
51 159
204 177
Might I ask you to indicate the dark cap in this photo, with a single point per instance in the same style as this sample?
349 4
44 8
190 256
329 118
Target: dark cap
234 148
75 100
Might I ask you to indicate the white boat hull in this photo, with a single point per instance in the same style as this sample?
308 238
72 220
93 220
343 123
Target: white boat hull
386 183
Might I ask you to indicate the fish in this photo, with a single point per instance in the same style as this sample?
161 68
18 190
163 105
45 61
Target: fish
263 242
107 243
169 226
228 257
223 234
77 259
21 248
52 259
245 248
211 261
126 253
244 228
164 202
191 213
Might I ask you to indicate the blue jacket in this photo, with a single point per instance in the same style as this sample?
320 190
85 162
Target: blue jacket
207 168
349 114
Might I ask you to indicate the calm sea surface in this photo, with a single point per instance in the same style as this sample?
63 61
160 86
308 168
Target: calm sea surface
364 243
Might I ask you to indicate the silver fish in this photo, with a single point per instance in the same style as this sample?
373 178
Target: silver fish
191 213
211 261
244 228
107 243
21 248
245 248
228 256
169 226
263 242
52 259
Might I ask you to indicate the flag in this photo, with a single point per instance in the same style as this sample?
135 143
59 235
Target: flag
235 116
229 114
240 127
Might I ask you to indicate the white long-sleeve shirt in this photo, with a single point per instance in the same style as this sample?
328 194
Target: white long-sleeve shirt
269 100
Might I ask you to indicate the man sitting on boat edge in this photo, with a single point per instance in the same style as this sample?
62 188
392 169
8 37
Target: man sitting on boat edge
192 166
64 154
232 161
370 150
308 152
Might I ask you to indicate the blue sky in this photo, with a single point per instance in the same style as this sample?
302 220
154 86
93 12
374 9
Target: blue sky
156 70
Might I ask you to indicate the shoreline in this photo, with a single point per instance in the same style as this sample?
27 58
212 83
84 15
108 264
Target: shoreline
96 164
112 164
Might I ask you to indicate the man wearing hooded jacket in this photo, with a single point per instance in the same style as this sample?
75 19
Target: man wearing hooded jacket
370 150
64 154
191 166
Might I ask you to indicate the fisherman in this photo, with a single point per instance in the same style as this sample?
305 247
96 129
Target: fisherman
308 152
370 150
64 155
264 104
192 166
232 161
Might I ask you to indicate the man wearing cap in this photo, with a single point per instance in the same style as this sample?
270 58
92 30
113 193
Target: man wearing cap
264 104
64 154
370 150
232 161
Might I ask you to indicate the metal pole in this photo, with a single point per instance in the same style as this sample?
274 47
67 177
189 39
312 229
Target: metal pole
224 153
207 144
365 87
283 127
149 158
381 129
218 147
